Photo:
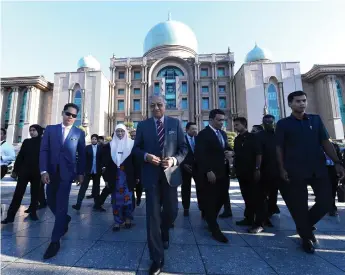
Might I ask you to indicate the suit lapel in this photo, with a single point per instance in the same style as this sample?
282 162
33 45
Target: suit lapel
215 137
166 125
153 129
59 133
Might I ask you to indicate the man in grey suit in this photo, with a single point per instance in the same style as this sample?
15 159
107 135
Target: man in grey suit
161 145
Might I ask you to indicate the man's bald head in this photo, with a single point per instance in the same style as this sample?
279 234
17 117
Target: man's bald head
157 106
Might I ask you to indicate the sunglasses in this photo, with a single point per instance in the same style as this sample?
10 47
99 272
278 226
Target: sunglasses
70 114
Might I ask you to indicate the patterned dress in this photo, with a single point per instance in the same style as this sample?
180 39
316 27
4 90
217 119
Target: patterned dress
121 198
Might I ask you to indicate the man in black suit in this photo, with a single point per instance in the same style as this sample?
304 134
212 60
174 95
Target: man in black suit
212 154
93 171
188 167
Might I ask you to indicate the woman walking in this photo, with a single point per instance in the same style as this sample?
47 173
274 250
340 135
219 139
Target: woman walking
119 171
26 167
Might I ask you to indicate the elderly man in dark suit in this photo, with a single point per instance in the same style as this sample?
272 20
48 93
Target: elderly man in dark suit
212 154
161 145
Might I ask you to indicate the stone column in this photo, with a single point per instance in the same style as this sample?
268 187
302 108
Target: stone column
28 113
197 93
13 116
281 100
128 94
214 86
2 103
335 125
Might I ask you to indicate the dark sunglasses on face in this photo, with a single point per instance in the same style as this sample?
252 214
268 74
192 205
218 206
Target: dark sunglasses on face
70 114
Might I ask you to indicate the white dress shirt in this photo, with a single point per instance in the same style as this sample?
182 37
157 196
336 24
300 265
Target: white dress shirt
218 134
7 154
65 131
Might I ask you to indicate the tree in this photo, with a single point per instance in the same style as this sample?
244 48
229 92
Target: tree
231 138
82 128
129 125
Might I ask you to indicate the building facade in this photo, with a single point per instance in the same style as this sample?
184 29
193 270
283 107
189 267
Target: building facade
24 101
191 83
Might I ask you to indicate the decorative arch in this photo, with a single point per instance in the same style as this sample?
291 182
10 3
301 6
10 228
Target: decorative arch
78 100
8 109
272 98
170 72
340 100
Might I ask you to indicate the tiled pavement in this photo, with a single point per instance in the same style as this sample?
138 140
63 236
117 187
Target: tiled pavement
90 247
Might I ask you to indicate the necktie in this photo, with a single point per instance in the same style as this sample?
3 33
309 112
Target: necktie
161 136
63 134
192 143
220 138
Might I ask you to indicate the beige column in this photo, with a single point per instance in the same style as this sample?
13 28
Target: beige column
281 100
13 116
128 94
214 86
2 102
197 93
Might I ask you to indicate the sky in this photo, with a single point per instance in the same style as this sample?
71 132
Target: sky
41 38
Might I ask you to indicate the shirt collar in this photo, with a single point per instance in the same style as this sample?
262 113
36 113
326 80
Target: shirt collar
66 127
305 117
161 119
215 130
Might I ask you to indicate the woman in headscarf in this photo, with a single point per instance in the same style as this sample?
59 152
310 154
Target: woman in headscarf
26 167
119 171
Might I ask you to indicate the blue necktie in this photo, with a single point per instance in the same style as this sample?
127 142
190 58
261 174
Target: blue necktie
192 143
220 138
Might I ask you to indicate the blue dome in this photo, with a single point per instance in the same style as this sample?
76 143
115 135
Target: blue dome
89 62
258 54
170 33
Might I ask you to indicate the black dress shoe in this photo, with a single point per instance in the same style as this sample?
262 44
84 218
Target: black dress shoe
52 250
172 225
203 215
99 208
156 268
268 223
255 229
89 197
68 221
333 213
42 205
7 220
225 214
116 228
186 212
33 216
28 211
76 207
219 236
308 246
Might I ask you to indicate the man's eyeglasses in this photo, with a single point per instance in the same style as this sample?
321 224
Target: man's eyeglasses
70 114
159 105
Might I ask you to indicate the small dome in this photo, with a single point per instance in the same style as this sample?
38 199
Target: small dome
258 54
89 62
170 32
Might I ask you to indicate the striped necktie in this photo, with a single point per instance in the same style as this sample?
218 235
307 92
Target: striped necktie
161 135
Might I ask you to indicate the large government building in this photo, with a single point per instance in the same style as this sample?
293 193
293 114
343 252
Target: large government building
191 83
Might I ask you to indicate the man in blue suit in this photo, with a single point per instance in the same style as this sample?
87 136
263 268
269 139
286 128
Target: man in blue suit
161 145
58 165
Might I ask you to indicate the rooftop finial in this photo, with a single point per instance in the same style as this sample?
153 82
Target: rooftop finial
256 44
169 16
229 50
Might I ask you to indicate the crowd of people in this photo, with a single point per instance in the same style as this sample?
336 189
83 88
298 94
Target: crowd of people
290 155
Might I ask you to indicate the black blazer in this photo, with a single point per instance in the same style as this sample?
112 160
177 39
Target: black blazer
130 168
89 159
27 161
209 153
189 159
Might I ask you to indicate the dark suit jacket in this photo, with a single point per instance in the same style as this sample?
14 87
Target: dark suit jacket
209 153
89 159
146 141
55 153
189 159
110 173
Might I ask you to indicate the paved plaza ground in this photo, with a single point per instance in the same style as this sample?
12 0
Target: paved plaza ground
91 247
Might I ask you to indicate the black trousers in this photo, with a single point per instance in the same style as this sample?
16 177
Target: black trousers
96 181
42 195
22 183
248 189
295 194
4 170
226 203
138 190
333 179
214 196
186 188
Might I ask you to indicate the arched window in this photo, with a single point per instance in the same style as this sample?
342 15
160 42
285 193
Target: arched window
340 100
8 109
78 99
273 102
170 73
22 114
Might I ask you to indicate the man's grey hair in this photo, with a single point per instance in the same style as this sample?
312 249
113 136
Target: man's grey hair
157 96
